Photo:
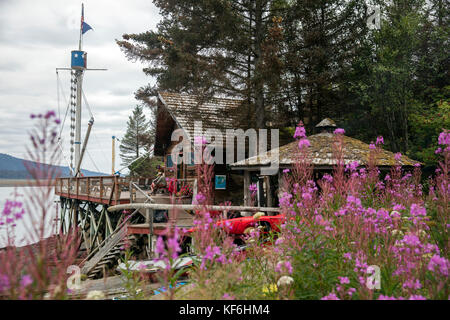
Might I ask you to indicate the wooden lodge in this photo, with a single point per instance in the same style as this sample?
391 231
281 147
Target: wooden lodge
182 111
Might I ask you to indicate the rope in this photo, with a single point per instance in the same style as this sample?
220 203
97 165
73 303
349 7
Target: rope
92 160
62 152
97 142
57 94
87 104
60 87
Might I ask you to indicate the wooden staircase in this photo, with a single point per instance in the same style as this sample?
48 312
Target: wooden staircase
108 254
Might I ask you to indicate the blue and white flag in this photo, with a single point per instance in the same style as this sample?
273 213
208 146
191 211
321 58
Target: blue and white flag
84 26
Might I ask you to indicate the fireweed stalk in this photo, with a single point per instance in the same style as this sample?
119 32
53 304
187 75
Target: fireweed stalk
34 274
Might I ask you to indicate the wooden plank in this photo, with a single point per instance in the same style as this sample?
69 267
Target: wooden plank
96 227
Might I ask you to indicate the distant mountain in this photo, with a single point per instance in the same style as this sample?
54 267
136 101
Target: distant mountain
14 168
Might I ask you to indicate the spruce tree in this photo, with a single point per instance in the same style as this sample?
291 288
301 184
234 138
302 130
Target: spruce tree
321 38
137 138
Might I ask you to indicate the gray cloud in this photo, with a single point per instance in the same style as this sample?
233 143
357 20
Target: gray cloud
37 36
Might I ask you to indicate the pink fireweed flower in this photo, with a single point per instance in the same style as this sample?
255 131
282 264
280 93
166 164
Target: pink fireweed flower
285 200
211 252
26 281
352 166
306 196
417 210
440 262
351 291
417 297
398 207
380 140
253 187
284 265
383 297
444 137
286 170
174 245
339 131
398 156
438 150
372 146
303 143
300 132
160 248
200 198
226 296
328 178
331 296
411 284
354 200
344 280
49 114
411 240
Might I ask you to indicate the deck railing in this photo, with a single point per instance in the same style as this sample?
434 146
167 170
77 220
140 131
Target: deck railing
106 189
101 188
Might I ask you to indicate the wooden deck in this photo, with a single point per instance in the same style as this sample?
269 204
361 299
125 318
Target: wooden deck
109 190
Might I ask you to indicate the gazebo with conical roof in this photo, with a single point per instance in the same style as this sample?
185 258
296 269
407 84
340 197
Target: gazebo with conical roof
321 156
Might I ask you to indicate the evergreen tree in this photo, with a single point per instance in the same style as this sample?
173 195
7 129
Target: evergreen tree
322 38
212 47
138 137
385 75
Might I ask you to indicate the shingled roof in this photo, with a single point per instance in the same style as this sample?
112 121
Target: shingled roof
321 153
215 113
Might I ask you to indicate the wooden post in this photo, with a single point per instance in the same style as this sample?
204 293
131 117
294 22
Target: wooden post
261 198
88 190
116 192
246 187
268 190
101 187
149 218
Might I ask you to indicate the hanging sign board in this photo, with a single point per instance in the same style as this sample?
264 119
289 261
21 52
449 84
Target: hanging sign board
221 182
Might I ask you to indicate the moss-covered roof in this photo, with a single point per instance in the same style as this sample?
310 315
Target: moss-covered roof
321 153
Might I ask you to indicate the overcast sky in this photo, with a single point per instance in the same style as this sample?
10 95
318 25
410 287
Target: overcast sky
37 36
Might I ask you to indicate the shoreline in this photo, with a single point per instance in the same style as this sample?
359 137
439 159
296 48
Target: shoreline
25 183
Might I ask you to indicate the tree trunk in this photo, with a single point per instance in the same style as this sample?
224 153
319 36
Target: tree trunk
259 85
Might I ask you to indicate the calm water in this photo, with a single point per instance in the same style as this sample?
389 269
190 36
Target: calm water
21 234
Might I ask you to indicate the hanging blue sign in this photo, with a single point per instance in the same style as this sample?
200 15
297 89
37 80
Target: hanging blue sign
221 182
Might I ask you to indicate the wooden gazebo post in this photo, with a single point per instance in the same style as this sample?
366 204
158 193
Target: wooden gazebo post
246 187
